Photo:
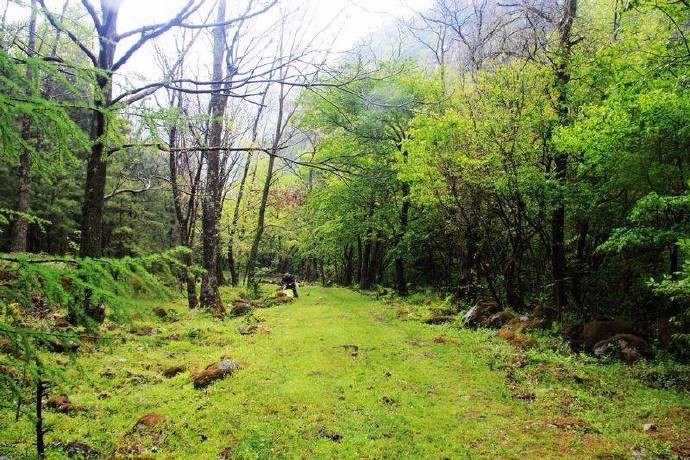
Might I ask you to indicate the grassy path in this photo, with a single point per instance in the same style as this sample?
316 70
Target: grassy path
338 376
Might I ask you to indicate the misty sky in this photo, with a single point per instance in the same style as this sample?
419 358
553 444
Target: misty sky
351 20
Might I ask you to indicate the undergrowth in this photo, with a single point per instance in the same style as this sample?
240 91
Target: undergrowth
45 306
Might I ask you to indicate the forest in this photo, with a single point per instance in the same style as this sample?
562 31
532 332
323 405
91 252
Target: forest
486 202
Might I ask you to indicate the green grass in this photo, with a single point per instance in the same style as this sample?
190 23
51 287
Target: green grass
303 393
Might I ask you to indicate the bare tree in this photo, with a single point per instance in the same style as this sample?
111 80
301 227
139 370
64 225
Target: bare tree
185 169
289 75
105 65
210 296
232 264
476 30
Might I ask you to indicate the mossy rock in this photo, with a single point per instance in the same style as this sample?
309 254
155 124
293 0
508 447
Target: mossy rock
214 372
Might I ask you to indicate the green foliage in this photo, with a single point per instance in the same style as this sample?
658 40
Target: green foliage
655 221
475 156
54 135
7 214
362 131
37 295
110 281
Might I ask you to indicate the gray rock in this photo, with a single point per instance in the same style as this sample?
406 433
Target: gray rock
480 312
227 365
627 347
647 427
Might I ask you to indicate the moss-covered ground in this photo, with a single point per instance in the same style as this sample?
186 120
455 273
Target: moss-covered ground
338 374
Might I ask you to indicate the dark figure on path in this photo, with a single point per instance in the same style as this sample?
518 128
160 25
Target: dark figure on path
289 282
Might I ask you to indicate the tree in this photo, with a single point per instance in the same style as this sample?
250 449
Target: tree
232 264
210 296
374 112
20 227
105 64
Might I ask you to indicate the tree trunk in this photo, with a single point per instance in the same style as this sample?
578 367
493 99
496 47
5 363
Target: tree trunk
513 298
378 266
185 221
220 275
232 265
93 204
251 262
348 271
96 171
372 267
190 280
210 295
469 267
20 228
562 77
40 443
364 268
358 273
579 274
322 273
673 261
253 253
400 282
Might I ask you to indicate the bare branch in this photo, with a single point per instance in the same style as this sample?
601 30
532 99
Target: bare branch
56 24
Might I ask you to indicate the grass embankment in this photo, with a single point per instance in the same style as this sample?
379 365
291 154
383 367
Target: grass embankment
341 375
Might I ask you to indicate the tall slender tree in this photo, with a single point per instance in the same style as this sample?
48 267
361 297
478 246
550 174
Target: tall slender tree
210 295
20 228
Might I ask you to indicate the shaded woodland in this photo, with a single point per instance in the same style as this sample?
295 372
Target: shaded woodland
533 156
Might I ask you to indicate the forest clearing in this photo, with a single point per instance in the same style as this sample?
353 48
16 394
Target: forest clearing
341 375
330 229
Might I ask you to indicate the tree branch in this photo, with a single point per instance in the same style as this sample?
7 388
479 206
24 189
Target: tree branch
70 34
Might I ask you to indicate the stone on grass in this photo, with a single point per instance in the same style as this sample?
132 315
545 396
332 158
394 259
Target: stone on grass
351 347
160 312
279 298
252 329
214 372
107 373
76 449
388 401
516 338
62 346
240 307
525 323
147 330
498 320
284 294
173 371
627 347
647 427
60 403
439 319
59 321
329 434
149 420
586 335
225 454
6 346
480 312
